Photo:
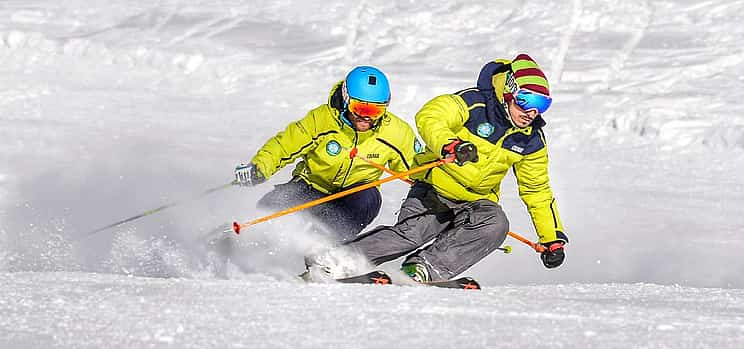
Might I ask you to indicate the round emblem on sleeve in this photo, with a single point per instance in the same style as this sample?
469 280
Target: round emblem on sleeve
333 148
417 147
485 129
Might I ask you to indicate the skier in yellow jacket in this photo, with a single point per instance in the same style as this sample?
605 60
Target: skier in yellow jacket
487 129
331 141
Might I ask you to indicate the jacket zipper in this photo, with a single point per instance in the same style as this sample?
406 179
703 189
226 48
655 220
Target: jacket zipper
351 163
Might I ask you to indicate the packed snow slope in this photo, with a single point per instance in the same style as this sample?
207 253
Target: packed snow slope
43 310
109 109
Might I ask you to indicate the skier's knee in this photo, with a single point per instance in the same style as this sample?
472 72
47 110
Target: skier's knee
497 235
494 228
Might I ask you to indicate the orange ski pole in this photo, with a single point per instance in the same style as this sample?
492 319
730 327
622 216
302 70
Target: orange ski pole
537 247
237 226
354 153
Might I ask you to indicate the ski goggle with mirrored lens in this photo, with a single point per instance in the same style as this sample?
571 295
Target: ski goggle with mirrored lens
367 109
529 100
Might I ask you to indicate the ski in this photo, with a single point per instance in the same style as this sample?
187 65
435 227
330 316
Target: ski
377 277
465 283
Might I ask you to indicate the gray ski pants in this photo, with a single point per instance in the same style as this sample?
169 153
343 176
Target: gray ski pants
463 233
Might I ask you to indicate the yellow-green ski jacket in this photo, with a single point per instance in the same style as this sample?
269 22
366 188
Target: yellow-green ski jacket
324 141
479 115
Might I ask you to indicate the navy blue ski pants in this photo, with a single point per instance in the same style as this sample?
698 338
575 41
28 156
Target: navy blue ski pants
345 216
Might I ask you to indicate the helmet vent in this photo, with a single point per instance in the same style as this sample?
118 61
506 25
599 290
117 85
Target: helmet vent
372 80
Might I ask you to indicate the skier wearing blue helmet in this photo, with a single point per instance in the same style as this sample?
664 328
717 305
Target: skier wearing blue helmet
366 95
340 144
368 84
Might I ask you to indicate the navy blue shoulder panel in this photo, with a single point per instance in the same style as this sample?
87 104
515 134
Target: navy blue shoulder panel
471 96
487 119
525 144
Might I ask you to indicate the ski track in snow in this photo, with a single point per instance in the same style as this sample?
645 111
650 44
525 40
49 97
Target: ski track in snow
108 109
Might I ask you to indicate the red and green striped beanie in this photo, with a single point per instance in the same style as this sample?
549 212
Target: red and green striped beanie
529 75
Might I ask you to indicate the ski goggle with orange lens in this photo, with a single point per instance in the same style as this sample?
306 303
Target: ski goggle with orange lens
364 109
529 100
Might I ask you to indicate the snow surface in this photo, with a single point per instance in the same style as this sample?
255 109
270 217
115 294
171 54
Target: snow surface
112 108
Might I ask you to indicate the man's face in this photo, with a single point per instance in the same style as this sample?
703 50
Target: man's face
363 115
361 123
520 117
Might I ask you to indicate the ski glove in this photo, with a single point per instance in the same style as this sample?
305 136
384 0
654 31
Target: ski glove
463 151
248 175
553 255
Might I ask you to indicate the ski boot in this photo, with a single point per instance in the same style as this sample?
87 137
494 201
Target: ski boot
319 268
417 272
334 264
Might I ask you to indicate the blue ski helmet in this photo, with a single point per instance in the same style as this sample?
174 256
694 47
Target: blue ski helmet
368 84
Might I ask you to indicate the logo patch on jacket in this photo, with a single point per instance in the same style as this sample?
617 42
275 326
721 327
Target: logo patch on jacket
333 148
485 129
373 156
516 148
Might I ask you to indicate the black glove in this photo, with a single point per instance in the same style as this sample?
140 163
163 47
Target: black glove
248 175
553 255
463 151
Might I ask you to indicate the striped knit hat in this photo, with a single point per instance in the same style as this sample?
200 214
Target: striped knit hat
528 75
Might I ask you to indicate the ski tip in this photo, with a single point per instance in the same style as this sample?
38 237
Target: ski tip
236 228
377 277
470 284
465 283
382 280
